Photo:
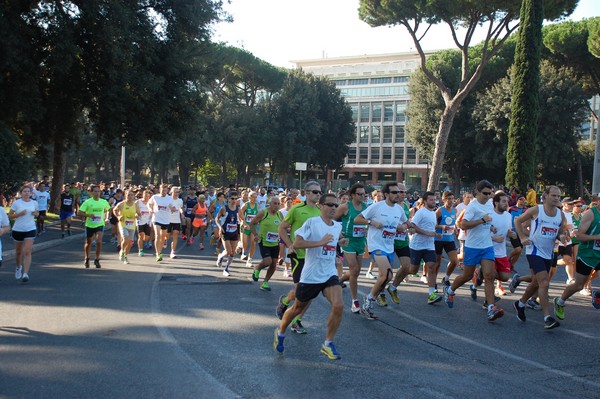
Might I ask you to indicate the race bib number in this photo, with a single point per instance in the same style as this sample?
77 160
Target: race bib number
448 232
549 232
401 236
249 218
272 237
359 231
188 211
231 227
162 208
388 234
67 201
129 223
328 251
96 218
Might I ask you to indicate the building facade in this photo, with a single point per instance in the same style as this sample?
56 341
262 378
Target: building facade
376 88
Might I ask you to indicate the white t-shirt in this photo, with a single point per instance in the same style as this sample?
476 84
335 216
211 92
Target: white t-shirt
502 222
390 217
144 213
261 200
479 236
426 220
175 215
160 208
4 222
319 263
26 222
42 198
569 221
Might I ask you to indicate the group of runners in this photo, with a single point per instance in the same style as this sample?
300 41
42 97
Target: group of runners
312 236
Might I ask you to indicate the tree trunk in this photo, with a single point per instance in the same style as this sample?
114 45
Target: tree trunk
456 183
441 141
80 174
223 172
59 162
184 173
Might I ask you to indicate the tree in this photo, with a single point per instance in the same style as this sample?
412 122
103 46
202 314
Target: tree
525 110
14 166
499 21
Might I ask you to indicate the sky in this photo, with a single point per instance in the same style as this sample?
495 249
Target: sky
281 31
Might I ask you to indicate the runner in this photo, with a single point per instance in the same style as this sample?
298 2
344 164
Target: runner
43 199
267 238
283 255
23 211
462 234
446 217
213 210
247 213
295 218
143 223
479 248
161 205
318 236
67 202
127 212
357 239
566 250
385 219
546 224
402 250
114 201
4 228
588 260
175 220
190 202
95 211
228 223
200 221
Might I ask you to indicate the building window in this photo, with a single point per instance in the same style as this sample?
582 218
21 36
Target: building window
340 82
400 79
399 134
375 134
364 113
401 111
411 155
363 136
355 82
352 155
375 155
363 155
399 155
379 81
376 116
388 112
386 177
387 134
354 108
387 155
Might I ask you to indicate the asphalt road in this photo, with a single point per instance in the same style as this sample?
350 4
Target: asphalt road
179 329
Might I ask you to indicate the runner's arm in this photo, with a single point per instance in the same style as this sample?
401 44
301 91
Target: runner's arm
584 225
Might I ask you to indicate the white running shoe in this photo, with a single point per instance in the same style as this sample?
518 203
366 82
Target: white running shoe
25 278
226 273
18 272
173 255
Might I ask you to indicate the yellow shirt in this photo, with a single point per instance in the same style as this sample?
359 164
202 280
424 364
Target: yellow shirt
531 197
128 216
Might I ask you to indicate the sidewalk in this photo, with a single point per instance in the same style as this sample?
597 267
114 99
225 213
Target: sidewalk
50 238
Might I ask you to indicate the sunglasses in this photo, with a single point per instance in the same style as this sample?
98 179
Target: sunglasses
319 192
397 192
578 206
232 198
360 193
486 192
331 204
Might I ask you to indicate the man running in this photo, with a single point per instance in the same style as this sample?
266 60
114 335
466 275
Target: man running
267 237
385 219
161 205
546 223
96 211
446 218
67 202
318 236
42 196
248 212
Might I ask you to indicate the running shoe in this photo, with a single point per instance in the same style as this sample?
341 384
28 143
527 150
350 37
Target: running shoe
212 240
219 261
393 294
381 300
69 232
25 278
500 291
355 308
201 246
191 240
173 255
265 286
287 273
298 328
570 281
97 263
244 257
226 273
520 311
18 272
121 256
424 279
514 283
559 310
596 299
367 310
585 292
370 275
278 342
255 275
125 260
550 323
281 307
330 351
159 258
183 237
495 313
473 292
434 297
486 304
141 253
249 262
449 299
445 281
86 263
533 304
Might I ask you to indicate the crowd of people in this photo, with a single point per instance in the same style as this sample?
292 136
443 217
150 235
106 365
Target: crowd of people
312 235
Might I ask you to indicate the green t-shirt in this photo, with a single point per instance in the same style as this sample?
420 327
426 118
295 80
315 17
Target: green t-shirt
297 215
401 240
268 230
97 208
354 233
589 251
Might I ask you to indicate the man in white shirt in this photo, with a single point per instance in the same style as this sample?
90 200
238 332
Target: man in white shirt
161 205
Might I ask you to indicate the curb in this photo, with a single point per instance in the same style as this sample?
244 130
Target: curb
11 254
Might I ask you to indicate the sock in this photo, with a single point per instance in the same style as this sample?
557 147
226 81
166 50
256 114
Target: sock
546 317
520 304
280 334
370 297
490 307
450 292
431 290
392 287
447 277
560 302
326 343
